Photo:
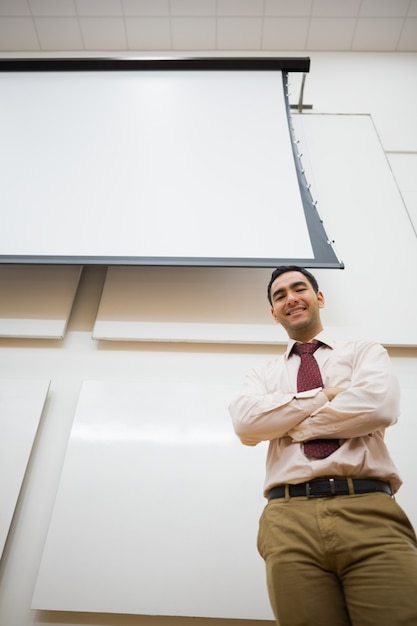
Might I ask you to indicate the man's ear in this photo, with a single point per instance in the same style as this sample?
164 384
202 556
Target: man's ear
273 315
320 299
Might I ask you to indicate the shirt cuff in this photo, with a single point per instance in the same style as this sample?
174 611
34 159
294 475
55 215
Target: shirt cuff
310 393
303 430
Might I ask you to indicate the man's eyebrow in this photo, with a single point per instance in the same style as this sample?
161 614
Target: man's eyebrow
298 283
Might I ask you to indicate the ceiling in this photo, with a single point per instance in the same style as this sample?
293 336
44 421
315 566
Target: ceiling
249 26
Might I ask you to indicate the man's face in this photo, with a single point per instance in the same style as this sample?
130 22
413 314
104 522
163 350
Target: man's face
296 306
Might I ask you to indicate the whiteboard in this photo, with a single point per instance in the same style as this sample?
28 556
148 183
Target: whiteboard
36 300
148 515
145 167
21 405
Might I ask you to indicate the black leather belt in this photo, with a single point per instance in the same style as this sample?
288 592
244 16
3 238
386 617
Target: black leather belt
325 487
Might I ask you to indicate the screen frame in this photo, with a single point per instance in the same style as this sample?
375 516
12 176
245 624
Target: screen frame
324 255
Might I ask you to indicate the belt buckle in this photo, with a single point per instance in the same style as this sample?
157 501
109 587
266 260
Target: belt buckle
332 487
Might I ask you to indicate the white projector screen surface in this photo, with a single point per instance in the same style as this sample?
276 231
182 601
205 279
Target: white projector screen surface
149 167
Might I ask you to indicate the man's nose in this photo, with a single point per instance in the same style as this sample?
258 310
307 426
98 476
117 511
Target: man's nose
292 296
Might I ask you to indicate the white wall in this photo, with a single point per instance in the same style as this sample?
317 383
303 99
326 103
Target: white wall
382 86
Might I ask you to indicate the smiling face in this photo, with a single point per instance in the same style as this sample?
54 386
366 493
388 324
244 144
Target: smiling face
296 306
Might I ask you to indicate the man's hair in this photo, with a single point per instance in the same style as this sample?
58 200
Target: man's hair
283 269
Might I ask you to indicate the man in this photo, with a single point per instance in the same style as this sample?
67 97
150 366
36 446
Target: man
339 550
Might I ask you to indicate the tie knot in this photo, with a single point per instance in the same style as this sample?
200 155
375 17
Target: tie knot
305 348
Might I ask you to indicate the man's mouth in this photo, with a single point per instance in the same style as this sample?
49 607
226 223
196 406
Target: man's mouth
296 311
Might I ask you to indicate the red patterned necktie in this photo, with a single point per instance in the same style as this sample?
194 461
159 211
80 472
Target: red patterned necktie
309 377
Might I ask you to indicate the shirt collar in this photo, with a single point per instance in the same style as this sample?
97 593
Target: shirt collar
322 336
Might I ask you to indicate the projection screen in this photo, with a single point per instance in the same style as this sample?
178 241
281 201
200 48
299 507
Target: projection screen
154 162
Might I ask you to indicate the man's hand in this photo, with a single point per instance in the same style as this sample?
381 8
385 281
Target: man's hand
331 392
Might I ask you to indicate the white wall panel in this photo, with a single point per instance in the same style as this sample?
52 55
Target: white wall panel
185 304
381 85
359 199
365 213
36 300
410 200
21 404
149 516
401 437
404 167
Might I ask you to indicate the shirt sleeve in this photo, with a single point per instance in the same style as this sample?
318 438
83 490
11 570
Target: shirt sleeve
259 415
369 403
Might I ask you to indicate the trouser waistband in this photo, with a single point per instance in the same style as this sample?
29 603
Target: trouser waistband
327 487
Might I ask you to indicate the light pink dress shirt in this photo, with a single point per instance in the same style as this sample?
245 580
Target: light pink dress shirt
270 409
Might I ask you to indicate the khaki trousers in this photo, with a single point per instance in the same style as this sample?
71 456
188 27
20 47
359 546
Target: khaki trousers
340 561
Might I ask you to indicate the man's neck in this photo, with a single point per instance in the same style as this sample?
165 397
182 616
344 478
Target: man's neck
305 337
